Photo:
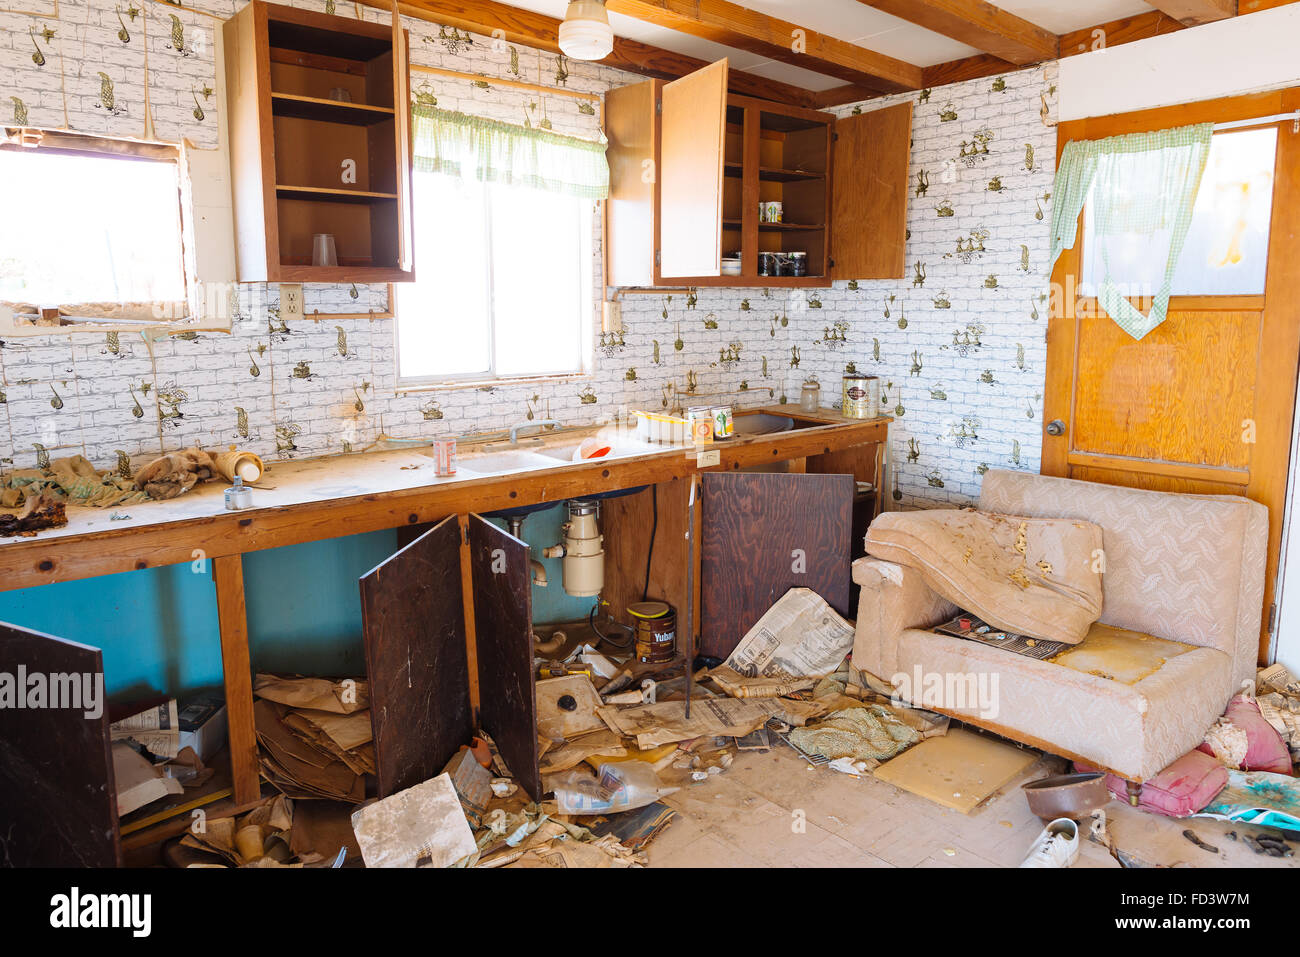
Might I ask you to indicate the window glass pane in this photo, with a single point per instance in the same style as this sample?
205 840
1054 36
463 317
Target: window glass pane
1226 250
541 279
85 229
442 327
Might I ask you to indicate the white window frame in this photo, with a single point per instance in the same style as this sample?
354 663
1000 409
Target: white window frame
201 308
490 376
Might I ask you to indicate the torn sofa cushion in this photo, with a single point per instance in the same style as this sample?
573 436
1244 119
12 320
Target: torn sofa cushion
1032 576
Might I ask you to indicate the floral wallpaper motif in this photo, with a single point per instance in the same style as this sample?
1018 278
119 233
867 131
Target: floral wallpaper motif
958 344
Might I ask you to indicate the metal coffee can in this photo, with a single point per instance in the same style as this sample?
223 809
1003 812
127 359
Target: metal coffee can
444 457
699 422
723 426
861 396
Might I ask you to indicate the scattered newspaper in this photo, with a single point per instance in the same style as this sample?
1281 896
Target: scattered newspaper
655 724
157 729
798 640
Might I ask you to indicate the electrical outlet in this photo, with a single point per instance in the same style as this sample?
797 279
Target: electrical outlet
291 301
704 459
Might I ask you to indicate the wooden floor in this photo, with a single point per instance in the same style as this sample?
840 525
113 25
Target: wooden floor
748 816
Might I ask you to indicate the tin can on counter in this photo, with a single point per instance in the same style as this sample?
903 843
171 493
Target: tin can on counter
656 630
723 425
444 457
861 396
699 422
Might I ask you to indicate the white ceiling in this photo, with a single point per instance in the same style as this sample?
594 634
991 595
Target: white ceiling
856 23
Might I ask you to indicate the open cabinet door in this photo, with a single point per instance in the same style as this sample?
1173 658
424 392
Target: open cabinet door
761 535
416 660
503 637
58 797
869 194
692 140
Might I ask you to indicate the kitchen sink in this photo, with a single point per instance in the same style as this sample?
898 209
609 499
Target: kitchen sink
497 463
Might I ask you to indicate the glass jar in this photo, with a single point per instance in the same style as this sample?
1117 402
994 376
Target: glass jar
810 396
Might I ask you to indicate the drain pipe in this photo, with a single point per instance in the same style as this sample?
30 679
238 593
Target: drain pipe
515 523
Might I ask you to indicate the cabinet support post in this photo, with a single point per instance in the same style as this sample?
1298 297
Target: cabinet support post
467 599
228 575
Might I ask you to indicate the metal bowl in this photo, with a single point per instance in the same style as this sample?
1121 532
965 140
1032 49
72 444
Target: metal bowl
1067 795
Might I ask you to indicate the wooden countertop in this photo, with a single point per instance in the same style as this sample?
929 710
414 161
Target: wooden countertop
314 499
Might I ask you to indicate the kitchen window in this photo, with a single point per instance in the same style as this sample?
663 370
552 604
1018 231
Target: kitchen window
504 218
94 230
503 283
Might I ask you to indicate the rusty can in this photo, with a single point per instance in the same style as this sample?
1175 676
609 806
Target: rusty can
444 457
861 396
656 630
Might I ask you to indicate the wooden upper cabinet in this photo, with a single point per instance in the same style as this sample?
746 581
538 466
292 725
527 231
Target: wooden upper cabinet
320 143
869 194
690 165
693 120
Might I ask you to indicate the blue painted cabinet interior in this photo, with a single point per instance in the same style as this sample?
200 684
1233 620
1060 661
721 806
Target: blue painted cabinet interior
158 626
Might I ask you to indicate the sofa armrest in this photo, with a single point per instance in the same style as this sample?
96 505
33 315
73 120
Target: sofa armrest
894 598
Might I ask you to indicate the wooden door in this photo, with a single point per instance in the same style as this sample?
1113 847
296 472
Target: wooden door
416 659
762 534
869 194
58 798
692 140
1203 403
503 635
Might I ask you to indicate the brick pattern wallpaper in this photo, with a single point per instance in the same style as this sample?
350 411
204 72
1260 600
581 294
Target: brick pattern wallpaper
958 344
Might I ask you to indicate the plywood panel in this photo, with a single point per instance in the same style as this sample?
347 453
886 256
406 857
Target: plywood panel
752 525
959 769
58 805
414 626
869 194
691 144
1180 394
503 614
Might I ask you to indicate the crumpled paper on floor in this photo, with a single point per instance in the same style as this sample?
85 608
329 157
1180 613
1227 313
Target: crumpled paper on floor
654 724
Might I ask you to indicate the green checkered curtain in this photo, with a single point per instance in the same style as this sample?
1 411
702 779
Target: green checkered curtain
471 147
1142 187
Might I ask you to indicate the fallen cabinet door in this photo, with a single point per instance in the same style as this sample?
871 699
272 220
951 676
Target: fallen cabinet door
762 534
414 623
58 797
503 633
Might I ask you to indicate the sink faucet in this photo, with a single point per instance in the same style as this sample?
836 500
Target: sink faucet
514 429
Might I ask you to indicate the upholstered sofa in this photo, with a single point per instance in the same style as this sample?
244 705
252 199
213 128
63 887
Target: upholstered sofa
1176 566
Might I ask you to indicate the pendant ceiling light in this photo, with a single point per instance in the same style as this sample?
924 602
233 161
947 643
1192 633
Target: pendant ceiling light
585 33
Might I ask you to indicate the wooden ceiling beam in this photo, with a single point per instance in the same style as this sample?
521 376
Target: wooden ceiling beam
979 24
542 32
1191 12
735 26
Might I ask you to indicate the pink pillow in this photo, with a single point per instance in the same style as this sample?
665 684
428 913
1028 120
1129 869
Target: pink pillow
1265 749
1183 788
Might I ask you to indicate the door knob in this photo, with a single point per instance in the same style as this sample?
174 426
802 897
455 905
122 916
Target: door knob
1056 427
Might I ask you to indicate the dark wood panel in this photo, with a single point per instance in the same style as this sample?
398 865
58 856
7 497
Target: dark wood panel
503 616
58 800
415 659
751 525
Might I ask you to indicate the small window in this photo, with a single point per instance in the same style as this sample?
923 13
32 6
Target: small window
96 228
1226 250
503 283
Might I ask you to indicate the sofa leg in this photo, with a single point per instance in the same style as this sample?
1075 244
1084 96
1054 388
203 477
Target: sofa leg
1134 792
